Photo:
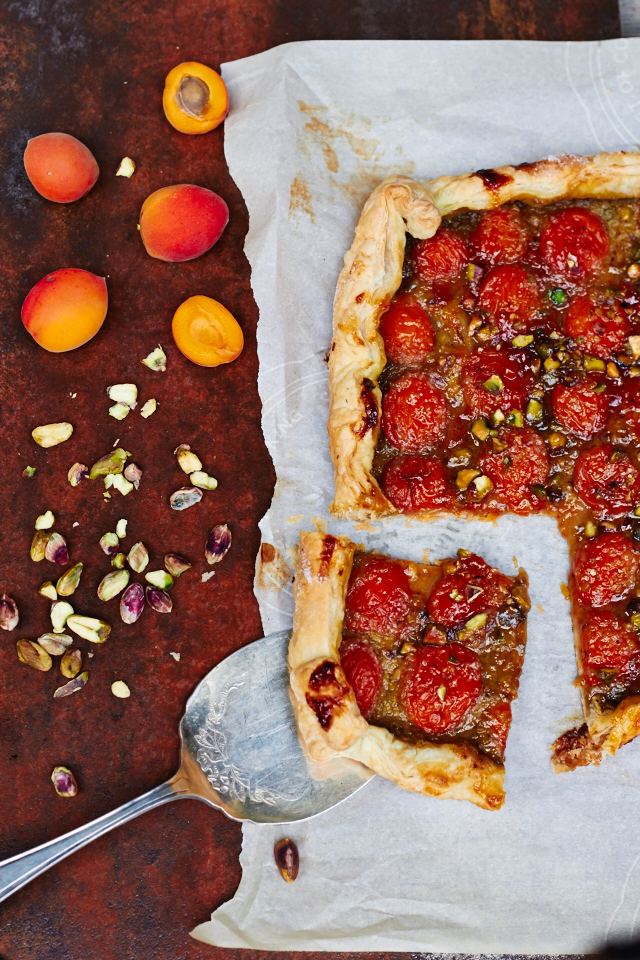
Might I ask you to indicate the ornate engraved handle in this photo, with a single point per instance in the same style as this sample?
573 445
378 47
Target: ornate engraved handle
21 869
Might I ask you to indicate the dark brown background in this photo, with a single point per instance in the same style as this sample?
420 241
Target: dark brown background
96 70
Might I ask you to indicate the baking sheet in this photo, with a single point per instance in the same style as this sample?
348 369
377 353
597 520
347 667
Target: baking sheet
313 128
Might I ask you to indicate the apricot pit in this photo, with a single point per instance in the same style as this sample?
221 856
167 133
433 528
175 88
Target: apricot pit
195 98
206 332
182 222
60 167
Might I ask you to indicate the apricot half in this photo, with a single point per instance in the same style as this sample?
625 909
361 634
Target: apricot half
65 309
182 222
195 98
206 332
60 167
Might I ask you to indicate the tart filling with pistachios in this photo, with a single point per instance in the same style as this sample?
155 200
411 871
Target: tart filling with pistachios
408 668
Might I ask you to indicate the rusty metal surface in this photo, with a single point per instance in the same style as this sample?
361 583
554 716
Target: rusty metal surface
96 71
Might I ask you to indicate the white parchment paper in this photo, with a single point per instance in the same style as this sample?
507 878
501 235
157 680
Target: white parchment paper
313 127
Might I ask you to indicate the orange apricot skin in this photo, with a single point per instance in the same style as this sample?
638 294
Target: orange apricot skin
214 111
65 309
60 167
182 222
206 332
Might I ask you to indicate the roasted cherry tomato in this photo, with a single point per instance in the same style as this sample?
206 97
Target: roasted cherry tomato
441 257
598 328
414 483
607 480
414 413
605 569
473 588
575 242
440 685
581 408
498 719
608 643
495 380
362 669
502 236
510 296
522 464
626 417
378 596
407 331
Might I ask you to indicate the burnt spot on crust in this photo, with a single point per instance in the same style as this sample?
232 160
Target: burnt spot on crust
575 748
323 708
360 298
328 547
325 674
323 681
370 418
493 179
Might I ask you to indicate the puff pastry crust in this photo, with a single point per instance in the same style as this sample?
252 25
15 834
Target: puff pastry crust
455 771
372 273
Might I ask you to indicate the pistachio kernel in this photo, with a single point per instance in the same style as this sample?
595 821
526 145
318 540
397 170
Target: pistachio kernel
593 363
515 419
156 360
185 497
159 578
60 612
494 385
119 482
28 472
69 580
55 643
119 411
71 663
45 521
556 440
481 486
175 564
159 600
287 858
72 686
112 584
109 543
9 616
480 428
120 689
590 529
51 434
476 622
523 340
149 407
112 462
77 473
132 603
126 169
133 474
48 590
464 478
218 543
187 460
39 545
201 479
121 529
138 557
33 655
56 550
64 782
89 628
534 410
118 561
126 393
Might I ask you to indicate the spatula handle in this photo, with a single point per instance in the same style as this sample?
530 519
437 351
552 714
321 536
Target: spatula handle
17 871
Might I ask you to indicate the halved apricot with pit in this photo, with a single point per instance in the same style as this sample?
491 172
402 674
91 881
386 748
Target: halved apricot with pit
206 332
65 309
60 167
195 98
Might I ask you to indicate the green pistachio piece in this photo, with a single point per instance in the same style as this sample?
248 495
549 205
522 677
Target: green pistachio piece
157 360
89 628
48 590
33 655
494 385
113 584
51 434
480 428
69 580
45 521
60 613
138 557
112 462
159 578
201 479
39 545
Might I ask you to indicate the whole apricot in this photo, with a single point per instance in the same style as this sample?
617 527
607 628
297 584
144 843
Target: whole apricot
60 167
206 332
195 98
65 309
182 222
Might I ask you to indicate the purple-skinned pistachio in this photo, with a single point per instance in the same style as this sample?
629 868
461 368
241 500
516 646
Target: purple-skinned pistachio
77 473
72 686
118 561
218 543
133 474
9 616
185 497
176 564
112 584
132 603
159 600
56 550
64 782
110 544
287 859
39 545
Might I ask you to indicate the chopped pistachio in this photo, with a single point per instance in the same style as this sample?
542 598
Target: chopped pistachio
188 461
71 663
633 271
119 411
157 360
109 543
159 578
557 440
515 419
56 550
55 643
494 385
119 482
593 363
69 580
498 445
201 479
120 689
33 655
118 561
176 656
634 347
534 410
51 434
207 576
121 529
600 387
523 340
497 417
45 521
138 557
9 616
72 686
48 590
442 692
481 486
480 428
550 364
149 407
218 543
126 393
126 169
77 473
39 545
476 622
159 600
636 510
175 564
60 612
464 478
132 603
112 584
64 782
539 491
28 472
185 497
590 529
612 371
89 628
557 296
111 463
133 474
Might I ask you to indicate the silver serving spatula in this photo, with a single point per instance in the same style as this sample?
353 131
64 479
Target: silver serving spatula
240 753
